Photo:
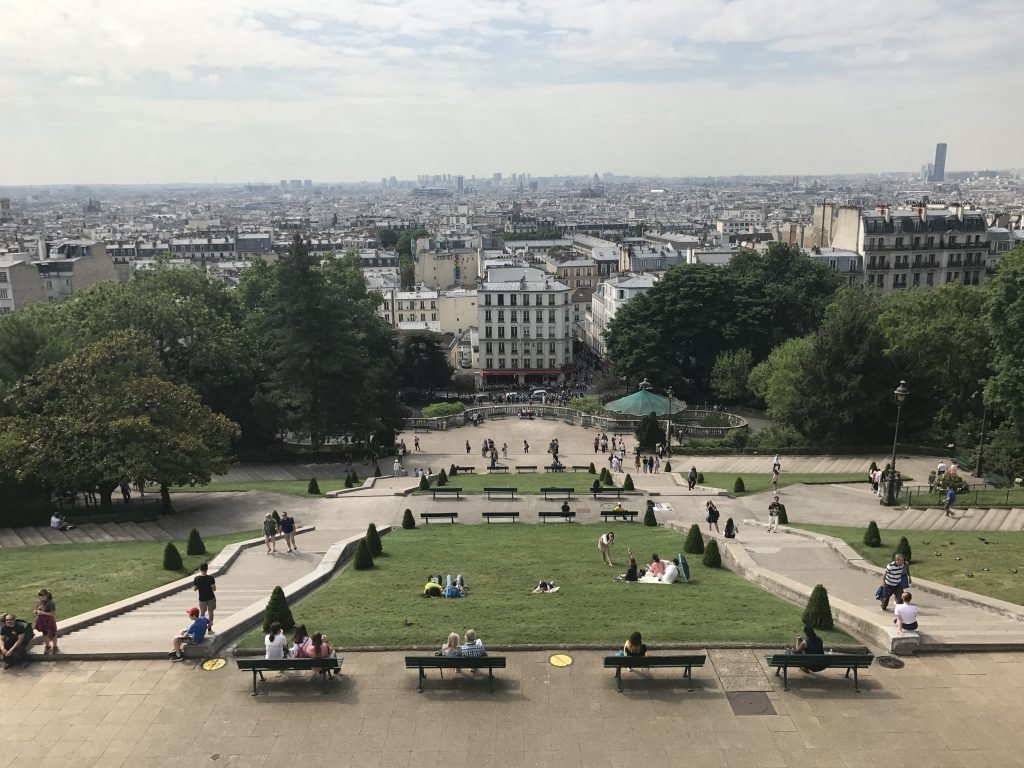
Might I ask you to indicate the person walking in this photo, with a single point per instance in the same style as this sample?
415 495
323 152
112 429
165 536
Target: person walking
897 573
504 450
288 529
691 478
526 447
950 501
416 443
713 515
773 516
270 533
468 448
206 586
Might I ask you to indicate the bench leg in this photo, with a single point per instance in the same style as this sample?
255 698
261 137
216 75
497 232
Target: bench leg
856 684
618 677
688 674
785 678
254 673
422 675
490 678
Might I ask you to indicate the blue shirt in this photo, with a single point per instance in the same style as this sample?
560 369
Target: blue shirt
473 649
950 495
198 629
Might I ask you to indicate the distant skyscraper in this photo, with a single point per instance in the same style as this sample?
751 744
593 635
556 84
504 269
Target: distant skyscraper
460 182
939 172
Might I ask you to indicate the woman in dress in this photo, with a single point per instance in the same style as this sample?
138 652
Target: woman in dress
46 621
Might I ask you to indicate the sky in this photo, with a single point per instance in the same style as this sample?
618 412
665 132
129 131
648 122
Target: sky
135 91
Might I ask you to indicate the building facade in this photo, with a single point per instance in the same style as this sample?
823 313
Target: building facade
608 299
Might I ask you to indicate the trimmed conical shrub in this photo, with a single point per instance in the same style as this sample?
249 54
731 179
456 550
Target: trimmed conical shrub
592 469
903 548
195 543
608 479
738 486
363 559
313 489
627 484
277 610
442 477
603 476
783 517
373 539
818 612
712 557
649 519
872 537
172 558
453 471
668 466
408 521
348 479
355 478
596 486
424 483
700 478
694 544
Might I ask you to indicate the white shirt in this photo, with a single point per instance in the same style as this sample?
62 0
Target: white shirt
275 646
604 541
671 573
907 612
55 522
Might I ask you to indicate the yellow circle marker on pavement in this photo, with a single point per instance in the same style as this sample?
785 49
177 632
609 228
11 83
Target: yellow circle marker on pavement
213 664
560 660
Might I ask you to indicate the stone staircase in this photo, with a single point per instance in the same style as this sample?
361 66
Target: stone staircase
87 533
970 519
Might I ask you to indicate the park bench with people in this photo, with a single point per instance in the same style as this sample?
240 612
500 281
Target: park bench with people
326 667
441 663
626 515
608 493
526 468
558 493
688 662
488 516
447 491
511 492
499 468
851 662
565 515
466 470
428 516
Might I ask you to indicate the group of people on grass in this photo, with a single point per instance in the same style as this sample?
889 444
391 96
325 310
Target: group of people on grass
453 588
16 634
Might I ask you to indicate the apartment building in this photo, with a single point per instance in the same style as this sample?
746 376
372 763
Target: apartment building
608 299
447 262
526 329
74 265
416 310
19 282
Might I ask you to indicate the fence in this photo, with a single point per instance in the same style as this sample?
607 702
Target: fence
980 494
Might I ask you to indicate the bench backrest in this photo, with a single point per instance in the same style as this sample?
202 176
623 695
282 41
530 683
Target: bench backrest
447 489
557 490
455 662
694 660
281 664
818 659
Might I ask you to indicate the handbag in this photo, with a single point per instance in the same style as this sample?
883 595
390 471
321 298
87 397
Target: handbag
880 593
905 579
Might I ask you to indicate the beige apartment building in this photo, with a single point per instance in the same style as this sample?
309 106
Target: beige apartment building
19 282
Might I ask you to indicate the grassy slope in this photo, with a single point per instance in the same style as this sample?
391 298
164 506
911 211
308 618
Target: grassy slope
756 482
935 552
83 577
501 564
286 487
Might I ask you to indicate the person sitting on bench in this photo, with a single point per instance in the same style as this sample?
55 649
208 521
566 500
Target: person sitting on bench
451 647
319 648
810 643
634 646
618 508
473 646
544 587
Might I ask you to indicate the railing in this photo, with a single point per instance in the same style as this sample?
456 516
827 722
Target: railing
689 420
980 494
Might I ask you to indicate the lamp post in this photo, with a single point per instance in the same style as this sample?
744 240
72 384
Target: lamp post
900 394
981 442
668 425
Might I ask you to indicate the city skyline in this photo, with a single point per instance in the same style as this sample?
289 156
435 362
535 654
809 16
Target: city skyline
254 90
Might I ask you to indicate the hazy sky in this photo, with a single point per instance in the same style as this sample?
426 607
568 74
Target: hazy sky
251 90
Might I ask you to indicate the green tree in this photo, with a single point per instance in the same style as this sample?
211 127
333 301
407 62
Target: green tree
649 432
363 560
774 380
424 364
313 489
694 543
195 543
277 610
872 536
408 521
903 548
650 519
373 541
388 238
730 373
712 557
172 558
627 484
818 612
104 416
1004 314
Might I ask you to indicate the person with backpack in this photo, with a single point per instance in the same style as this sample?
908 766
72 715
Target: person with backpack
16 637
713 515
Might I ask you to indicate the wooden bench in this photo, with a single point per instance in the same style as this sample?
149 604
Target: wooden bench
580 467
625 515
559 492
513 516
498 468
608 493
428 516
526 468
851 662
466 470
618 663
423 663
326 667
456 492
510 491
567 516
554 467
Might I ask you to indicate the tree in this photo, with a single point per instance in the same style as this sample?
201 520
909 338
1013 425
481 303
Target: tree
424 483
627 484
195 543
172 558
277 610
364 559
872 536
818 612
774 380
388 238
104 416
1004 314
903 548
712 557
694 543
730 373
424 364
650 520
29 340
739 486
313 489
373 541
649 432
408 521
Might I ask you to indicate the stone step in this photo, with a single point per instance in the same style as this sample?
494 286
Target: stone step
157 532
52 536
914 519
98 535
137 532
1014 520
969 519
944 523
32 537
114 531
9 538
79 535
995 519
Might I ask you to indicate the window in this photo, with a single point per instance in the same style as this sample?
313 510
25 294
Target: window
551 299
931 240
512 299
3 277
423 317
899 242
917 241
871 242
401 317
501 362
433 315
515 362
930 279
433 305
501 348
501 332
526 315
422 306
487 315
515 331
551 316
487 348
526 363
551 347
526 299
952 239
487 299
487 332
917 278
551 362
3 293
501 316
515 316
501 299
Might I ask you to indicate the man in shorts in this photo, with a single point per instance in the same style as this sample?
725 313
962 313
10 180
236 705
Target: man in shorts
194 634
206 586
773 515
288 529
270 533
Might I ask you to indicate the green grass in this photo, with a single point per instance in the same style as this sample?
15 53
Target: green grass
83 577
757 482
286 487
529 483
934 557
994 497
502 563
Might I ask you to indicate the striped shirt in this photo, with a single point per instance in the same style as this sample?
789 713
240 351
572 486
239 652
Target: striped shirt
894 574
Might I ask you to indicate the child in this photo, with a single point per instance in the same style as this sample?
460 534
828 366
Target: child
46 621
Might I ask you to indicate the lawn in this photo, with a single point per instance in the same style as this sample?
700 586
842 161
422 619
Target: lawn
756 482
286 487
528 483
86 576
946 557
502 563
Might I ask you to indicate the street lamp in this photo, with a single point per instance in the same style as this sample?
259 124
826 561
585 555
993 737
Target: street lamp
981 442
900 394
668 425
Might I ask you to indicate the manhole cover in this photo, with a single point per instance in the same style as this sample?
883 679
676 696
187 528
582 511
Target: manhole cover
889 662
750 703
560 660
213 664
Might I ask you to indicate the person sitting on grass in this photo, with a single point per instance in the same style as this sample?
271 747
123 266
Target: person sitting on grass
432 588
634 646
671 574
194 634
631 573
451 647
657 567
810 644
543 587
